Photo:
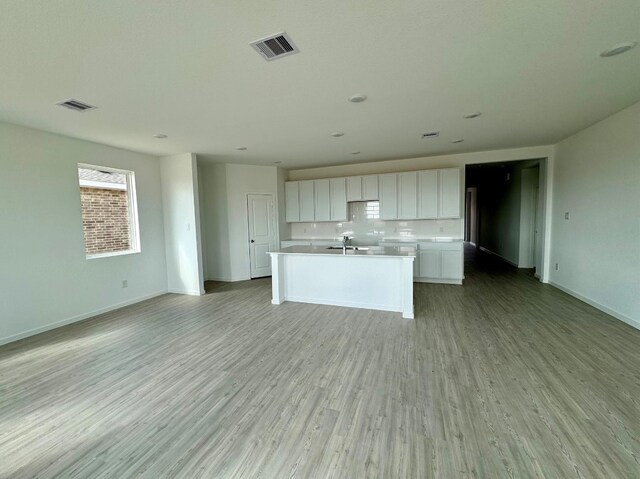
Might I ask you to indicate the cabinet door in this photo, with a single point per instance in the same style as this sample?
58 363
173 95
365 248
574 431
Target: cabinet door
354 188
292 211
430 264
307 207
408 196
322 200
428 194
449 193
451 264
389 196
338 199
370 188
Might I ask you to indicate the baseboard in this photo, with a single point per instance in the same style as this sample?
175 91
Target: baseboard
595 304
80 317
482 248
348 304
184 291
437 281
226 279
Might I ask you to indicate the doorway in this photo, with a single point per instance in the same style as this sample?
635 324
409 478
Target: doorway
262 233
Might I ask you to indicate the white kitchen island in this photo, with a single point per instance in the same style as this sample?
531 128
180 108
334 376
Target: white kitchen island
375 278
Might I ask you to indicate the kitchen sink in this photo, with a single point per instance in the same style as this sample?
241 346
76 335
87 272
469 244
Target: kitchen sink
355 248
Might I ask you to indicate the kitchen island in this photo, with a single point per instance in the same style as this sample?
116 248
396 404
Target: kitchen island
371 278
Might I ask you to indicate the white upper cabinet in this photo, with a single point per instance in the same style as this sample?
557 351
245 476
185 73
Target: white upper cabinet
428 194
370 188
338 199
354 188
307 201
362 188
322 200
449 193
412 195
292 201
408 195
389 196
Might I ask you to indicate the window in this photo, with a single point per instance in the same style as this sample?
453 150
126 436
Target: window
109 211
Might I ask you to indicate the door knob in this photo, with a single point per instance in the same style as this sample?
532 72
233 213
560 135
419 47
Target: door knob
252 241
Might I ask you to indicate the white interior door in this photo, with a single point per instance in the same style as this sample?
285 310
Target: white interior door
262 233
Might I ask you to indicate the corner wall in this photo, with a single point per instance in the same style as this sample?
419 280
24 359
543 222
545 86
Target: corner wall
46 280
180 206
597 181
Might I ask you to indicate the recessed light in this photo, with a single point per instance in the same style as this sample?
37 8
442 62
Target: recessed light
277 162
472 115
160 136
460 140
355 152
358 98
337 134
618 49
241 148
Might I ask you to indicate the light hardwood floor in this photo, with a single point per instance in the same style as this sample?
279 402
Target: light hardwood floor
503 377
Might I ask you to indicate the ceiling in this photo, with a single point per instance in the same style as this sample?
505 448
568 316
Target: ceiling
186 69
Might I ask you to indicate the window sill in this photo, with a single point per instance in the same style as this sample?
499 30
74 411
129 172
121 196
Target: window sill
114 253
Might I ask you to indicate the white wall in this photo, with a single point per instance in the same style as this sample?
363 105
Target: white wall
423 163
225 203
216 220
180 205
45 278
528 207
597 180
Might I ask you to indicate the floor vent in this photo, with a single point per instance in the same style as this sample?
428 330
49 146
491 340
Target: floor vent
76 105
275 46
433 134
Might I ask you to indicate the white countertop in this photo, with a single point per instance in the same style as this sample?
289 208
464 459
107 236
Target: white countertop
373 251
391 240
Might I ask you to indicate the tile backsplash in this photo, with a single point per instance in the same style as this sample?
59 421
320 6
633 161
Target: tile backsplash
366 227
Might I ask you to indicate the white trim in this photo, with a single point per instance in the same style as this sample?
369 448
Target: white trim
630 321
482 248
79 317
228 279
102 185
112 253
184 291
348 304
438 281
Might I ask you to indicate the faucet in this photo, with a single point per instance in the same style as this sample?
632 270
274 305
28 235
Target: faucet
345 240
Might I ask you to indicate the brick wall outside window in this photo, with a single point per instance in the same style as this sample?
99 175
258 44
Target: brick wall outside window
105 220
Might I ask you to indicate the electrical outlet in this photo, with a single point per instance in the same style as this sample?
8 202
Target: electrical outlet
442 229
566 215
557 266
125 283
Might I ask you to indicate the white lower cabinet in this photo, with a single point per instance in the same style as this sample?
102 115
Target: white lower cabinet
440 263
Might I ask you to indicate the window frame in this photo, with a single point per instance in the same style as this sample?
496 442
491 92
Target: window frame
132 199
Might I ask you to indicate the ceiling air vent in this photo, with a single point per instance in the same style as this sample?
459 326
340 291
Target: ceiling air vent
433 134
76 105
275 46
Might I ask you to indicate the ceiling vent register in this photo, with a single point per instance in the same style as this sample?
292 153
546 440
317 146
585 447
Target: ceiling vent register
275 46
431 134
76 105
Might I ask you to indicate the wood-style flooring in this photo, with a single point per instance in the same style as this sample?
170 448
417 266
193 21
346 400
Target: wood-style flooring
502 377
